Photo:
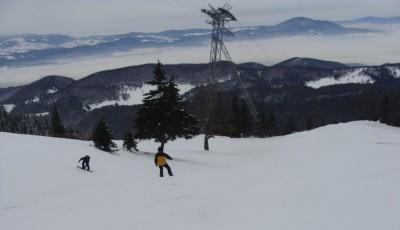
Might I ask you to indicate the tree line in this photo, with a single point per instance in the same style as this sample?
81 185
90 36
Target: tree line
165 116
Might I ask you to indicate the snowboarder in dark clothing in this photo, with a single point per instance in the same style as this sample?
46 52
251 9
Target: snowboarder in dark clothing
85 162
160 160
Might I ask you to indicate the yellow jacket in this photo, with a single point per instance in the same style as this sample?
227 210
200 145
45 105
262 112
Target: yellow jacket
161 159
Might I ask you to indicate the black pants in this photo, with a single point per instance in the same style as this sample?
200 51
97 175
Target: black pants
85 165
162 171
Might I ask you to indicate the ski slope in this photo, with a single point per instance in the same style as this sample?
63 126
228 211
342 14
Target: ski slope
344 176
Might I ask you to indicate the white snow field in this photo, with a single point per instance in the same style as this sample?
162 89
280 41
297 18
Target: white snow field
344 176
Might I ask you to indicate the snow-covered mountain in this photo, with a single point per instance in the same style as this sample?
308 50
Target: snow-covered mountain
31 49
311 62
105 93
336 177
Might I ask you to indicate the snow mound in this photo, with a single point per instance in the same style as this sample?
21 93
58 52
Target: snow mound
343 176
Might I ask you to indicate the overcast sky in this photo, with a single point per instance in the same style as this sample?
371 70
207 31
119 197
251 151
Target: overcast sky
88 17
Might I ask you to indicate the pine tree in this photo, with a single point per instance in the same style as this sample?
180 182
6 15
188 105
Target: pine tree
235 117
272 128
102 137
290 127
57 128
384 110
310 124
244 125
162 115
129 142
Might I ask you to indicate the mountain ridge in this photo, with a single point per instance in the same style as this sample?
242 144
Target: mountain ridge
34 49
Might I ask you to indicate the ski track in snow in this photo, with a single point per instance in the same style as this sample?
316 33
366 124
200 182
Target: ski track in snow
343 176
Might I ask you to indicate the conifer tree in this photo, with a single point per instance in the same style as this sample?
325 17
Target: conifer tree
57 128
162 115
290 127
102 137
244 125
235 117
309 124
271 127
384 110
129 142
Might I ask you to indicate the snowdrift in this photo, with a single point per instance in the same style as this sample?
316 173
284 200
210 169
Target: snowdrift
344 176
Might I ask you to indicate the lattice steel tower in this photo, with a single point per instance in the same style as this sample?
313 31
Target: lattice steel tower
218 18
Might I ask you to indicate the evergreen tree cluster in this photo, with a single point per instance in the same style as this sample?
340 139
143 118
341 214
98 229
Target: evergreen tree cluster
162 117
388 111
13 123
36 125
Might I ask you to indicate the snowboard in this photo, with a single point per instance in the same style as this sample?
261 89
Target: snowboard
84 169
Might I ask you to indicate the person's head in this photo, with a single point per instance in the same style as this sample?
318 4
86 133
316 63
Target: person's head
160 150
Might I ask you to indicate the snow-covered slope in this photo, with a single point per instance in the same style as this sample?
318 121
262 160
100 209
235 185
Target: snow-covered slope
132 96
356 76
342 176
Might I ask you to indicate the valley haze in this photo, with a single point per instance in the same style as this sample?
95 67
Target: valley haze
376 45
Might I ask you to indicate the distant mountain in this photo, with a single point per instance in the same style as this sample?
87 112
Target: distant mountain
312 63
30 96
6 93
307 25
31 49
373 20
286 85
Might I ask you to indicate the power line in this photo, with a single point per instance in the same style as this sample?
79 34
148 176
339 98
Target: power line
204 1
180 4
187 3
245 47
254 42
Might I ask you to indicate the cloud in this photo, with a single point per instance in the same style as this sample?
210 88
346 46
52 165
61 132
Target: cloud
83 17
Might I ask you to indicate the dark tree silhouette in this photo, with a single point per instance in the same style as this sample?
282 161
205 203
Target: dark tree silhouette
162 115
102 137
57 128
129 142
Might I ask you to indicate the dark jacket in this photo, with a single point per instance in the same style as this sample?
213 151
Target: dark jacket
85 159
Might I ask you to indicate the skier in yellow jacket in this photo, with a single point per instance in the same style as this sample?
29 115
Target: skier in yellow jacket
161 161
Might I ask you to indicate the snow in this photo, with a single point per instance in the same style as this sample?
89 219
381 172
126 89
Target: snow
52 90
343 176
22 45
40 114
83 42
133 96
395 71
355 76
196 34
156 38
9 107
33 100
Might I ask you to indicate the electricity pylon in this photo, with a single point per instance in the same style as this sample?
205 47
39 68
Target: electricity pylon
219 18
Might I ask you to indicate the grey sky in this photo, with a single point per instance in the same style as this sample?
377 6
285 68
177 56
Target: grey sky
87 17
